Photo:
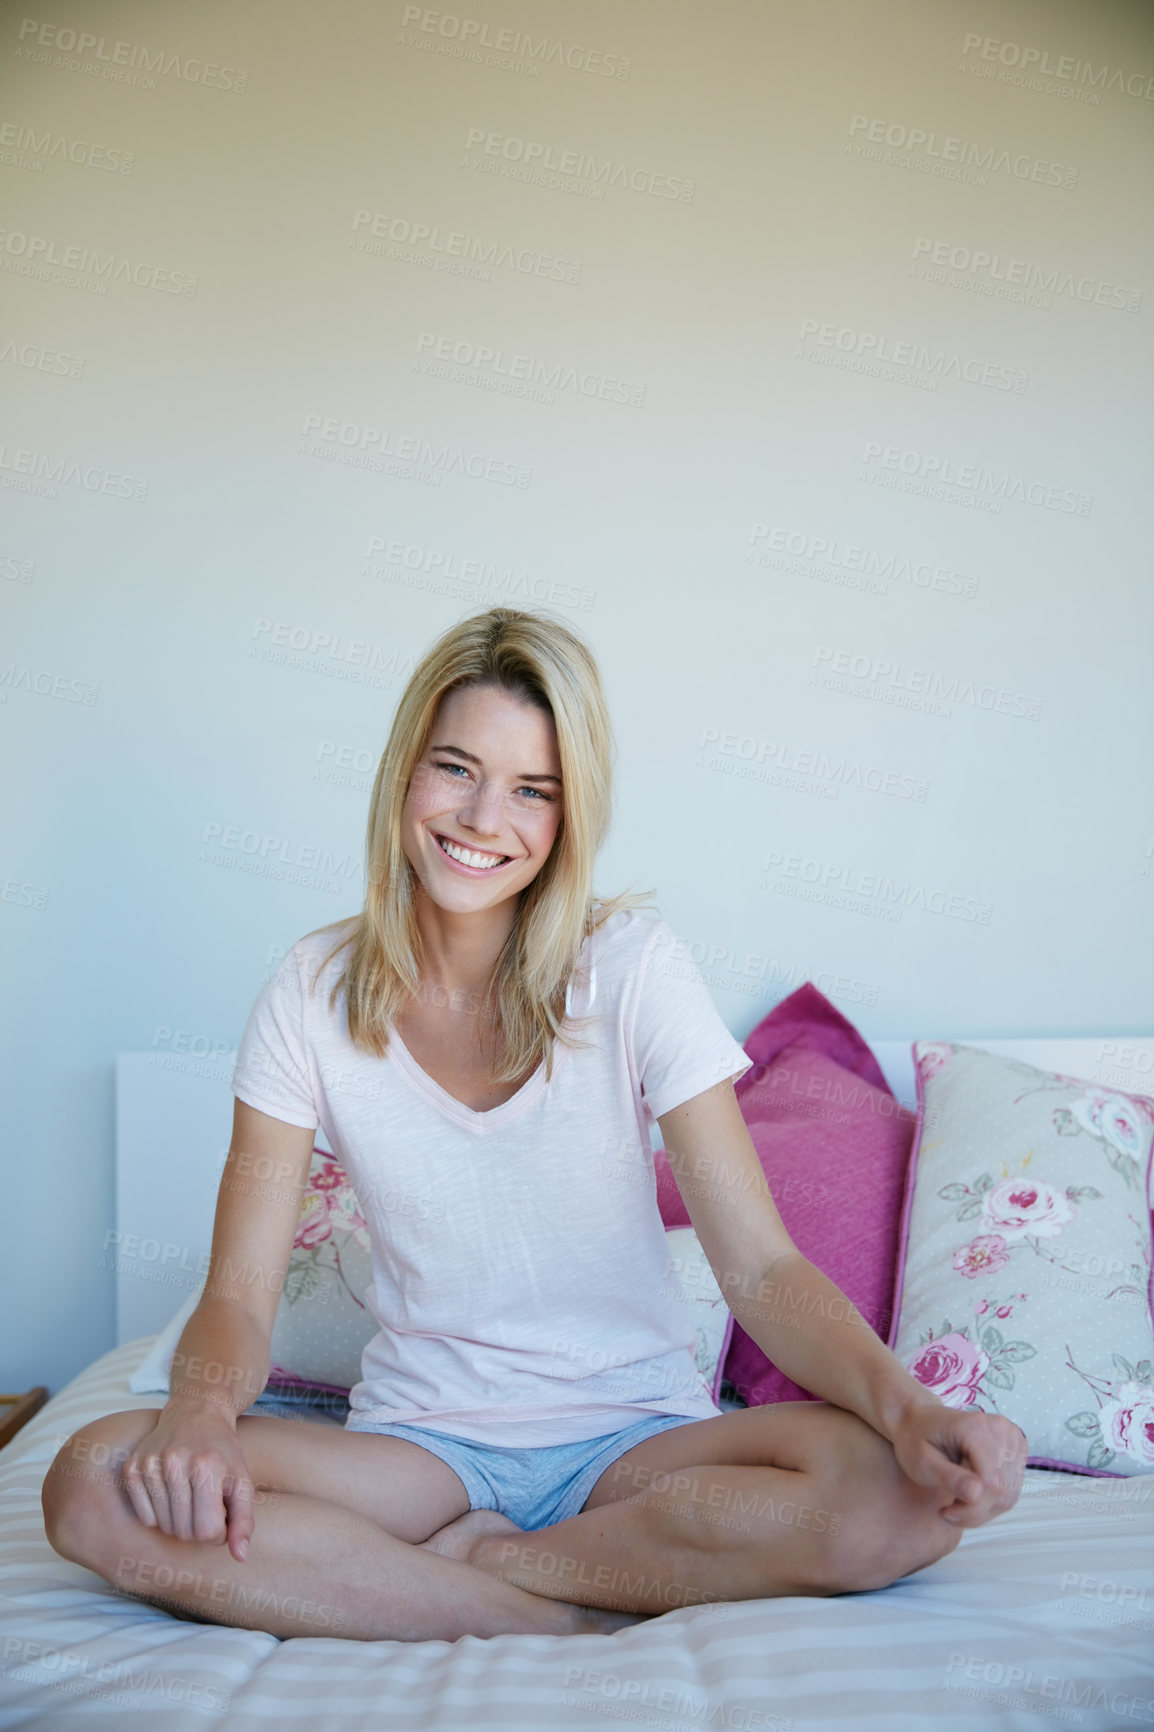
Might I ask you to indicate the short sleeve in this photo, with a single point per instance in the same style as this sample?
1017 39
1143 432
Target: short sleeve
272 1069
681 1047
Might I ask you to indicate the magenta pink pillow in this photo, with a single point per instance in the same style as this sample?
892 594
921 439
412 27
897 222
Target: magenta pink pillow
834 1145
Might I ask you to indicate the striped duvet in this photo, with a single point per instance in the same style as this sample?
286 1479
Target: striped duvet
1045 1616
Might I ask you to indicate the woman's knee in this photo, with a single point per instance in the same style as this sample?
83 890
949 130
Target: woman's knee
878 1525
85 1481
875 1557
878 1531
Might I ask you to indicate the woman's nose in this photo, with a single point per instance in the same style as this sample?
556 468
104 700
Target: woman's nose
484 807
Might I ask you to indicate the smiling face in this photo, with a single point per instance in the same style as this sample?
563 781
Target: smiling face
484 802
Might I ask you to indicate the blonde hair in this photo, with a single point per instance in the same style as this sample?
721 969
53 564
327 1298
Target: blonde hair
537 658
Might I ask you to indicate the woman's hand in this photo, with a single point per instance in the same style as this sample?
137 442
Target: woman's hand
188 1478
975 1461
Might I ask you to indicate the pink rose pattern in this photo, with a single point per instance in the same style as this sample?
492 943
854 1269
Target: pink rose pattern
986 1254
933 1056
1129 1421
329 1205
1121 1124
1017 1213
1124 1423
1014 1211
329 1209
964 1371
1020 1206
952 1367
1121 1121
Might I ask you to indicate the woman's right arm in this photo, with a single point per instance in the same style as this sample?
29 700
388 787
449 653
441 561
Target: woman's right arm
188 1476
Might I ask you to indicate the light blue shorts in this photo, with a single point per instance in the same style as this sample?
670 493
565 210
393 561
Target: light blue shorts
533 1487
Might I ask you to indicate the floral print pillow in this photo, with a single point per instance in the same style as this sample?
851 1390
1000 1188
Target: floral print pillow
1025 1275
323 1324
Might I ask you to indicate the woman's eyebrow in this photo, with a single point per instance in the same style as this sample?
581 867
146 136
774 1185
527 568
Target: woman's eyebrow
471 758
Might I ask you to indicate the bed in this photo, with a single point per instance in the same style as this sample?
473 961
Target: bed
1047 1611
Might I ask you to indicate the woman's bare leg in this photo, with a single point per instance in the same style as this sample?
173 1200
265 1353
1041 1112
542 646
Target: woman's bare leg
798 1498
321 1561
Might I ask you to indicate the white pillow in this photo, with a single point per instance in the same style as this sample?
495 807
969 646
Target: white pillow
151 1375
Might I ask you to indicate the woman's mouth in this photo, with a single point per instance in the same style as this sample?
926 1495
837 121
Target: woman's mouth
471 859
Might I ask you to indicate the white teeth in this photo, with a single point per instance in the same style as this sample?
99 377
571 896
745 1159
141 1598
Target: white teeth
468 858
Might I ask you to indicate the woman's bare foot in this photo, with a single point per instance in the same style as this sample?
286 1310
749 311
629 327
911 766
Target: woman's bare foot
457 1539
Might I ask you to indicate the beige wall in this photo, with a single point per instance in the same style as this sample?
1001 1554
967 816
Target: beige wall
798 354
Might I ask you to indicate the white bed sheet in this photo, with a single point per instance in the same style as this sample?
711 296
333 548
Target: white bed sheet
998 1635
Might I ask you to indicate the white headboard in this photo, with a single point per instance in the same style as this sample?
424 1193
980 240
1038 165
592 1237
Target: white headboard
174 1122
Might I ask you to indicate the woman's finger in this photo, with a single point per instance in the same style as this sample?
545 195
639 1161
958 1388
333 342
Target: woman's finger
138 1494
175 1468
995 1456
152 1475
238 1497
209 1510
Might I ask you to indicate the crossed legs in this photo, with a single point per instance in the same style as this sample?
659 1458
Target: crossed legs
335 1550
797 1498
370 1537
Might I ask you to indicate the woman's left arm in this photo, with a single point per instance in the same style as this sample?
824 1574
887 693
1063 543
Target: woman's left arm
811 1331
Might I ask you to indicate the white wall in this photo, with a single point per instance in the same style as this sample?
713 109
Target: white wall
771 329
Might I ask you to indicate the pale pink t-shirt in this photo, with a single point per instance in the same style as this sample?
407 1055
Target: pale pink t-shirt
521 1280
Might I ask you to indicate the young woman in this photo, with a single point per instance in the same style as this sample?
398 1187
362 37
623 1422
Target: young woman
531 1447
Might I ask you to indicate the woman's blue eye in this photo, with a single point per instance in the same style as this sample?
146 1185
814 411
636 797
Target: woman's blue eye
537 792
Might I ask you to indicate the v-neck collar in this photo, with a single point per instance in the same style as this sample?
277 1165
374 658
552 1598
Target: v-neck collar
530 1091
454 1109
